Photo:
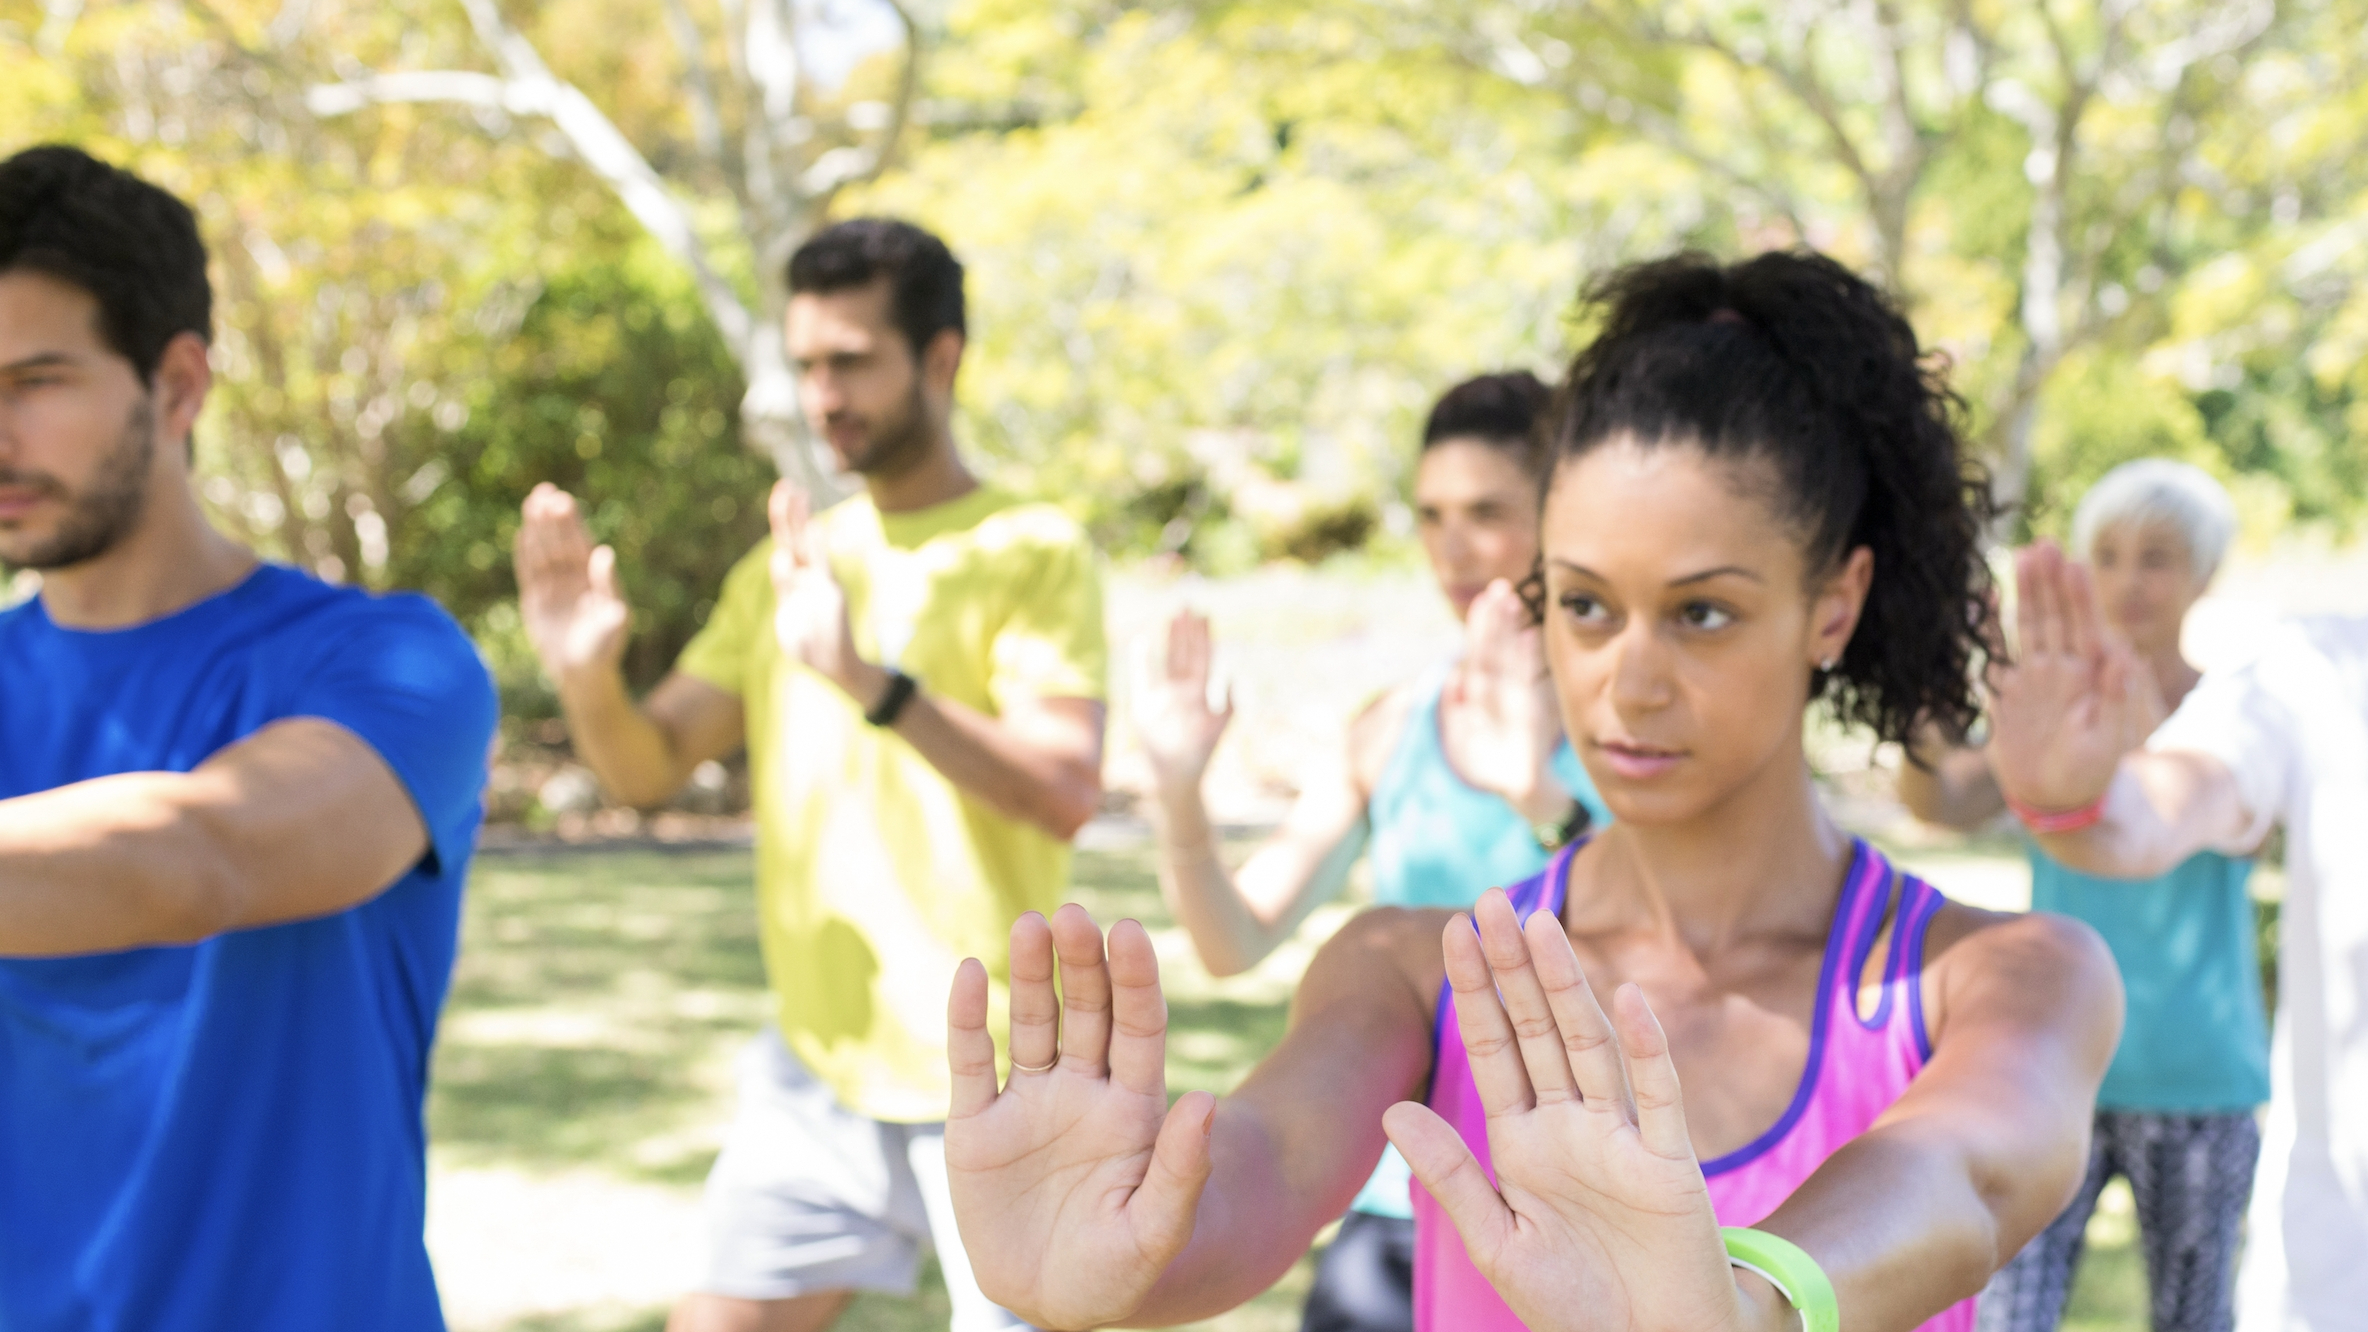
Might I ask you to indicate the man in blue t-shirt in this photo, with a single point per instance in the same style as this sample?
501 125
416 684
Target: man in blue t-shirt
236 808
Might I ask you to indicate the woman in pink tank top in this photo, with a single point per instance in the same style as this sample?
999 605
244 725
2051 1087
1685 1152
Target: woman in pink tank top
1862 1055
1759 500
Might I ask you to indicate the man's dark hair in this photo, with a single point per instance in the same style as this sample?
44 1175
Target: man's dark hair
132 246
924 278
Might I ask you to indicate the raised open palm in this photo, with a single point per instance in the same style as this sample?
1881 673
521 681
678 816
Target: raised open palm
1178 729
1599 1220
1501 722
567 588
809 607
1075 1184
2073 701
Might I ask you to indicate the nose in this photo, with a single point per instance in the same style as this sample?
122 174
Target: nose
1640 667
822 391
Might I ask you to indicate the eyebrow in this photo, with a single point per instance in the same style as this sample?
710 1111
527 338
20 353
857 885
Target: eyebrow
1723 570
37 361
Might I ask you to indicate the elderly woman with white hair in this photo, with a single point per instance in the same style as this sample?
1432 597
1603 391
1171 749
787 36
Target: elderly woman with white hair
2176 1113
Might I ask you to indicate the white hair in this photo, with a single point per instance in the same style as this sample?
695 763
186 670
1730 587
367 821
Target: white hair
2149 491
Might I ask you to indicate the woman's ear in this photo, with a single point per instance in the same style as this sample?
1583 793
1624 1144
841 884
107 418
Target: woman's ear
1839 604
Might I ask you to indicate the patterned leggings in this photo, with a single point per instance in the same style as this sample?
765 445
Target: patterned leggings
2191 1176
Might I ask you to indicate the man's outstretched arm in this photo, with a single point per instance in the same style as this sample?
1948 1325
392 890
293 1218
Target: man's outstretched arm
299 820
2067 718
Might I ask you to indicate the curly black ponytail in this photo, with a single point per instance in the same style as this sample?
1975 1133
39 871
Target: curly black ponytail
1794 361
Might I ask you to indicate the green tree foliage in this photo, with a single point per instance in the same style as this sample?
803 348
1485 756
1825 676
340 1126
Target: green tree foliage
402 352
615 388
1222 252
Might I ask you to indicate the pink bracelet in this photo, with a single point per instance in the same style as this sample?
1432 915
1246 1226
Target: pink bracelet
2045 821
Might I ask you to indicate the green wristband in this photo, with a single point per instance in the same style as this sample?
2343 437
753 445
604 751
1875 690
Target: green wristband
1789 1268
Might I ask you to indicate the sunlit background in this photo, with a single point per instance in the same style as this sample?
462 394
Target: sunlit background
1221 255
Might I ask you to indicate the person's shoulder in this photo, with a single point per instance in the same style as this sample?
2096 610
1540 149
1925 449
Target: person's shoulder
1399 940
1019 522
1375 729
322 606
2020 948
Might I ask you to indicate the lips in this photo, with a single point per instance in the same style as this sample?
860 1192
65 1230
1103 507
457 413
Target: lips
16 502
1635 762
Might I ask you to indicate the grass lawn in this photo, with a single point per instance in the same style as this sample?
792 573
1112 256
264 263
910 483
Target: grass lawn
584 1077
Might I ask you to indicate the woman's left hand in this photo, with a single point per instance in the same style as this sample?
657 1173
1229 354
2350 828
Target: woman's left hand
1501 723
1599 1218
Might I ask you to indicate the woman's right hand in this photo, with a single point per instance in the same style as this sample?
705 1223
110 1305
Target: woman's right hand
1075 1186
1173 720
2073 701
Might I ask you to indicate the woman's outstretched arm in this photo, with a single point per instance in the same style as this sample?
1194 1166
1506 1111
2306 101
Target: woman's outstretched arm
1989 1141
1086 1201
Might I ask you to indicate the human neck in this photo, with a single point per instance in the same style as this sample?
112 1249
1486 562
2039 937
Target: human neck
1766 860
2172 673
170 560
936 477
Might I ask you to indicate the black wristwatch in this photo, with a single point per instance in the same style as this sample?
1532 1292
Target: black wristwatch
1555 836
900 691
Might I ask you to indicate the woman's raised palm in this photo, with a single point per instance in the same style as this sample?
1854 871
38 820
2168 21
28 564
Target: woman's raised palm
2072 702
1075 1184
1500 722
1598 1220
1178 729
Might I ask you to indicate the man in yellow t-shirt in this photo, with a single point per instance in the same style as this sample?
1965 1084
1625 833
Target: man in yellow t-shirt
917 676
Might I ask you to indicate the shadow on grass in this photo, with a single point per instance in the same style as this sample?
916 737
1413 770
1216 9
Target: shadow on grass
594 1009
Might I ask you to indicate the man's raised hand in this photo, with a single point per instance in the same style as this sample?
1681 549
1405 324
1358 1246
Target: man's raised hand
567 589
1075 1186
1599 1219
2072 702
809 607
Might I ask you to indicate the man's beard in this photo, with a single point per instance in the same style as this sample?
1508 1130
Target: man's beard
897 445
103 513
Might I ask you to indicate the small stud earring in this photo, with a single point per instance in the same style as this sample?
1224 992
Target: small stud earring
1827 665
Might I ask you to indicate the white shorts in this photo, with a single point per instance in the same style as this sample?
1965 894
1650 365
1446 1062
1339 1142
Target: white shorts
809 1196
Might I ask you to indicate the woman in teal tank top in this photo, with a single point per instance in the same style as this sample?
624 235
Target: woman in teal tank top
1455 783
2175 1116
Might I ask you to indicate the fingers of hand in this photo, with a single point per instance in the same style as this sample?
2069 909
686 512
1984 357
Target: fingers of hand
602 568
1138 1013
2035 621
1535 1032
1162 1210
2085 630
551 537
1587 1039
1489 1041
1660 1114
1085 991
1035 1009
1446 1167
970 1048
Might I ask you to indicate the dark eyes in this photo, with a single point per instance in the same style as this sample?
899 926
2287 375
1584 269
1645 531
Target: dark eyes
1703 615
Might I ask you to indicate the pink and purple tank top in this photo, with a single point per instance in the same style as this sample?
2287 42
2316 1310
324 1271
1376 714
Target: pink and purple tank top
1860 1061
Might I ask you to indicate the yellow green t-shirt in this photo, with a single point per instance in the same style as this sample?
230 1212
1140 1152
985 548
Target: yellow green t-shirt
875 874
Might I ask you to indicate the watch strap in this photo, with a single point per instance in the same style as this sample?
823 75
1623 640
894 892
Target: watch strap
900 691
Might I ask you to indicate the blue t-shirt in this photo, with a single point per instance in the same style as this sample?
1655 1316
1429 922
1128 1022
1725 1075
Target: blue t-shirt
228 1135
2195 1039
